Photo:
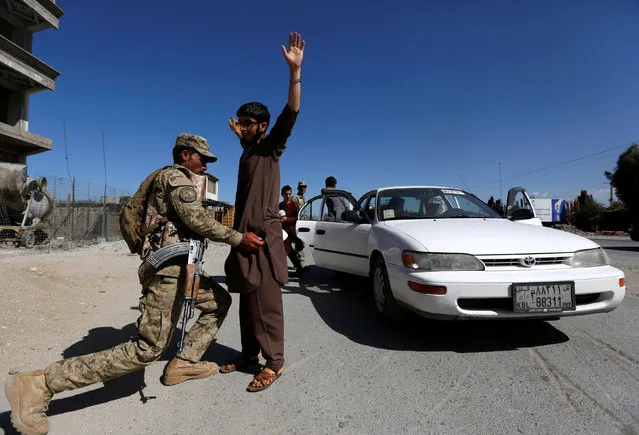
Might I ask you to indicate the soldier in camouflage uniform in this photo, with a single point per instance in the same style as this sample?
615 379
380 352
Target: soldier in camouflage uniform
299 198
175 209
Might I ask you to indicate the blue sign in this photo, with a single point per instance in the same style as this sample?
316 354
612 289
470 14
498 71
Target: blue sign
559 210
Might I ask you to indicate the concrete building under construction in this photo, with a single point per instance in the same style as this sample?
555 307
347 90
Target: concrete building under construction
22 74
25 204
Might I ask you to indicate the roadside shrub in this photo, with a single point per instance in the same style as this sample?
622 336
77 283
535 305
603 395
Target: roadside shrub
587 212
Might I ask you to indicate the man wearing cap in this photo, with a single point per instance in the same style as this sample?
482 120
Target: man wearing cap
174 213
299 198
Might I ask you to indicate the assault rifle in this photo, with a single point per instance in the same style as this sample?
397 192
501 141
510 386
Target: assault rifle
191 284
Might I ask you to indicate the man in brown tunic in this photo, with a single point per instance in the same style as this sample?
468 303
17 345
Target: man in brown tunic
258 276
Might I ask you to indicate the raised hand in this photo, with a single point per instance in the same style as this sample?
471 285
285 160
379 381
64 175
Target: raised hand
235 127
295 52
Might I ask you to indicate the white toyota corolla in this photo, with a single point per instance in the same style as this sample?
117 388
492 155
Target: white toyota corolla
443 253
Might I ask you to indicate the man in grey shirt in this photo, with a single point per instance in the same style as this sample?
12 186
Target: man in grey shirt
335 204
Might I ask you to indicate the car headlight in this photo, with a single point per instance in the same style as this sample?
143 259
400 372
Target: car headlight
440 262
589 258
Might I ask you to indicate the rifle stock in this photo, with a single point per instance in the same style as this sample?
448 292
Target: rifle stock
191 282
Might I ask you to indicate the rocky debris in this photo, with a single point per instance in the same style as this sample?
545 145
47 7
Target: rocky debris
572 229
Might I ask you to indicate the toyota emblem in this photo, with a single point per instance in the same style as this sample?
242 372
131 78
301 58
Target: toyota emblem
528 261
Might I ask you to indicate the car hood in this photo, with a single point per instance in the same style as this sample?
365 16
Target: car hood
489 236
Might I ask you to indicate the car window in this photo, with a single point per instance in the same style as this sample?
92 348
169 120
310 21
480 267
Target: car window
311 210
367 203
466 204
430 202
370 208
520 202
334 205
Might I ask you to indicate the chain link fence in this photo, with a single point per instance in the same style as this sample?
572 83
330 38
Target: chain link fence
83 214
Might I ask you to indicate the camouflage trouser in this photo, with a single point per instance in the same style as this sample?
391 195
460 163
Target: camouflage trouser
161 306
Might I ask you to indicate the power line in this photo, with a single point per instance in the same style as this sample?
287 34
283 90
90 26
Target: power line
607 150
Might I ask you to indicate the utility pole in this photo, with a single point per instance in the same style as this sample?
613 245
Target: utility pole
104 205
609 183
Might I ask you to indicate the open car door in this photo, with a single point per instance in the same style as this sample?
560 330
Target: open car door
306 220
519 207
341 234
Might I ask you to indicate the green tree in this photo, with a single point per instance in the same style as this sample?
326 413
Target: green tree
625 180
587 212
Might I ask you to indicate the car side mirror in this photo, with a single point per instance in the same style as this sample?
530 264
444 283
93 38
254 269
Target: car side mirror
521 214
352 216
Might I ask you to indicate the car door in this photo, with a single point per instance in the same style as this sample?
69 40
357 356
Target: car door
307 217
519 207
341 238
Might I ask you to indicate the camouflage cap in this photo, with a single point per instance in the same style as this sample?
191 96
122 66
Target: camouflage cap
198 143
302 184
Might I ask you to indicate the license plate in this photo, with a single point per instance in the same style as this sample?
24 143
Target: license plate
543 297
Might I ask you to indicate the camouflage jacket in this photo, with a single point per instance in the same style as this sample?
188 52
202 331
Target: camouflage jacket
175 202
299 200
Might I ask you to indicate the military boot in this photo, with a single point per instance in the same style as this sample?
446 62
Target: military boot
180 370
29 398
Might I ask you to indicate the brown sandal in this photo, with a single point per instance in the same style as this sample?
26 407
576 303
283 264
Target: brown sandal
239 363
263 380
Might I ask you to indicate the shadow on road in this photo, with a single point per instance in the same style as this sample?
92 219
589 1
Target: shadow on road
346 305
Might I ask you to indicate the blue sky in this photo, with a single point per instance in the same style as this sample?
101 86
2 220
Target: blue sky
405 92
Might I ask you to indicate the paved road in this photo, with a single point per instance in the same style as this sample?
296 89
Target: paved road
621 251
345 373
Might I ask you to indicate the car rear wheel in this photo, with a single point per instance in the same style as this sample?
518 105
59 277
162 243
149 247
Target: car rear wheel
388 311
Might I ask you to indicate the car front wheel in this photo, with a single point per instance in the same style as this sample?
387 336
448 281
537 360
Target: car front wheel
388 311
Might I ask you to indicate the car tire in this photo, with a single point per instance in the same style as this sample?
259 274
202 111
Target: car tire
386 306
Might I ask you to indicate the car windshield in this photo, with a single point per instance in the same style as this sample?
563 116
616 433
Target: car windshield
430 203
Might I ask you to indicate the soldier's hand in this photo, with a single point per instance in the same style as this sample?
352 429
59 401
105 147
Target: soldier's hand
235 127
251 242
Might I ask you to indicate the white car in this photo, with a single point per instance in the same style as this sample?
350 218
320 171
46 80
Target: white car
443 253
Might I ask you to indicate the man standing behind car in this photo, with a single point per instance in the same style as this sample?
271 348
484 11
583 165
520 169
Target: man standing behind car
335 204
289 220
301 191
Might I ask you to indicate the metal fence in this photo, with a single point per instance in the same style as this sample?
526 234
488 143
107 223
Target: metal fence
84 214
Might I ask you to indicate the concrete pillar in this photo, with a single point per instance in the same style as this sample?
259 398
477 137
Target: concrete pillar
23 123
18 110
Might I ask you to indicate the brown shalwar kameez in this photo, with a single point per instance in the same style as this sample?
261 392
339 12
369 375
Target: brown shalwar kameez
257 276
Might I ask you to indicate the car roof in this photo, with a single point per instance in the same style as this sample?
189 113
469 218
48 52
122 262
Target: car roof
379 189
